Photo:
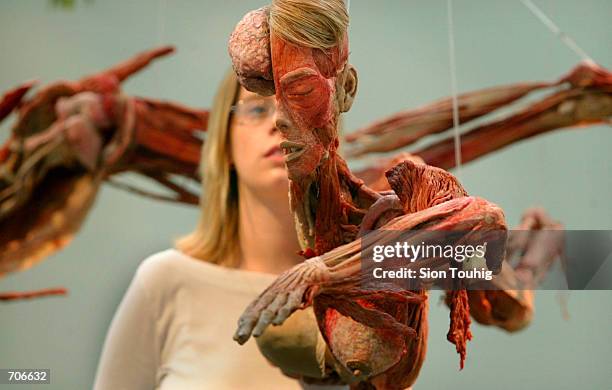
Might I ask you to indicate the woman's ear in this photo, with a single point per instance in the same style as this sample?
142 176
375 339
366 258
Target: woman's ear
349 86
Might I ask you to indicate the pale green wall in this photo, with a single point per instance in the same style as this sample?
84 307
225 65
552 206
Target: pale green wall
400 50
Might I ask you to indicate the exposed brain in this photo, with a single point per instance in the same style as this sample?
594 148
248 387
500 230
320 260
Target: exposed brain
249 49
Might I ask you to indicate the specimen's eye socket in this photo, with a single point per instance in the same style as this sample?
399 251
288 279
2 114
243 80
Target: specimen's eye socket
307 95
300 82
299 88
309 91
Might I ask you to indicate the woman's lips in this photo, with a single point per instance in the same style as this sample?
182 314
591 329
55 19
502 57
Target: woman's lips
275 153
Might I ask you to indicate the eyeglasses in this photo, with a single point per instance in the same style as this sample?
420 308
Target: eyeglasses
253 111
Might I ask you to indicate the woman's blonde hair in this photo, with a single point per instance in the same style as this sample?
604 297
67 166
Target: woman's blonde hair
215 237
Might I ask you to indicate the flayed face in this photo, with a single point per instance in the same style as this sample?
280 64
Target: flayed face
307 111
312 87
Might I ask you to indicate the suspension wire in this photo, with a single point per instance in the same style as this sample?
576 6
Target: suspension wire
566 39
453 76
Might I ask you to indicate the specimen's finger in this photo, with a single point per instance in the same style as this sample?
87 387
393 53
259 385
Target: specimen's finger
250 316
243 332
264 309
266 316
294 300
269 312
246 323
262 301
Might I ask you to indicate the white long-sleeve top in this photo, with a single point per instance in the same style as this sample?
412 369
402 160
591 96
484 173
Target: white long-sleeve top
174 326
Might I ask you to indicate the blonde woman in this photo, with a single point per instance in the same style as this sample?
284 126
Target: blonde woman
173 328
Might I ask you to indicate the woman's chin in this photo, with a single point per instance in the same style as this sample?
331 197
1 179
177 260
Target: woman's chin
276 180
